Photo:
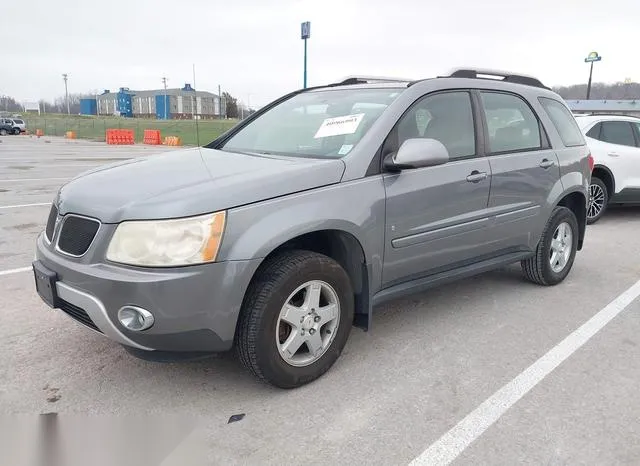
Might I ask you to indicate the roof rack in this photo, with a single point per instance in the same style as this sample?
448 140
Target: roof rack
361 79
505 76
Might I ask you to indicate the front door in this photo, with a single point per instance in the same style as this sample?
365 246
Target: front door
435 216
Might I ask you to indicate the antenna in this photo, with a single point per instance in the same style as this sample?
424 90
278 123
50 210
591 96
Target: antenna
195 105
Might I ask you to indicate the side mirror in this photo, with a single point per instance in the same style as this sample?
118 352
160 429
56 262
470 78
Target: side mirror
417 153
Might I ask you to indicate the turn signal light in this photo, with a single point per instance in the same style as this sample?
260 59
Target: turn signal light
591 162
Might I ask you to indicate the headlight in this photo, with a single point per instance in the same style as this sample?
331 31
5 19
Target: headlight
168 243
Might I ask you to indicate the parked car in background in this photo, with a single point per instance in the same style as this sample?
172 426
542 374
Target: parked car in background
615 146
6 127
19 123
283 233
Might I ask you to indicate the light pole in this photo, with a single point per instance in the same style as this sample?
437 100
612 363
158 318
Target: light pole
591 58
66 92
305 33
164 82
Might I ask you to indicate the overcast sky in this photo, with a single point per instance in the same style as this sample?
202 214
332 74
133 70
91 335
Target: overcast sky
252 48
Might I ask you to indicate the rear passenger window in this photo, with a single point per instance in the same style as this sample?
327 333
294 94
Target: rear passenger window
617 132
564 122
511 123
595 131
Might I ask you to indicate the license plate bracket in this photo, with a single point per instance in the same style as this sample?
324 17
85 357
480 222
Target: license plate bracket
46 284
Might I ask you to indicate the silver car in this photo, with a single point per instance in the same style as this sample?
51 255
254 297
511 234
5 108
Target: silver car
279 236
20 124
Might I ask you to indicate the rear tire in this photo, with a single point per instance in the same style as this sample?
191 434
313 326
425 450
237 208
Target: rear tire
556 250
268 333
598 200
16 131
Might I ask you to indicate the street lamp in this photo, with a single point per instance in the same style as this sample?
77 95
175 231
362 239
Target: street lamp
166 112
591 58
305 33
66 92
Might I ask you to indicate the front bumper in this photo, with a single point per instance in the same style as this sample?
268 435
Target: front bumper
195 308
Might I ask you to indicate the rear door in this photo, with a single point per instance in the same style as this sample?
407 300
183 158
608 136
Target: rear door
622 149
436 216
524 170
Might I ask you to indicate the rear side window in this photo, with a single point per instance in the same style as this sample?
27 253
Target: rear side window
617 132
595 131
18 122
511 123
564 122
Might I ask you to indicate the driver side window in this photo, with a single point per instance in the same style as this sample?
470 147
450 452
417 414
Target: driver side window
446 117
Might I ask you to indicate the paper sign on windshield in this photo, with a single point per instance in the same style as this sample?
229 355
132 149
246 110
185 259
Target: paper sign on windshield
339 125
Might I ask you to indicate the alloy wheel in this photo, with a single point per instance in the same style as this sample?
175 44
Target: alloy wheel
307 323
561 246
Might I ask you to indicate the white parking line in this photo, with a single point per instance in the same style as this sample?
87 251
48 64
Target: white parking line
31 179
24 205
453 443
12 271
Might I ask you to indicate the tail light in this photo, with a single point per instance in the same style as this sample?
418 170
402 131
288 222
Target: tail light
591 162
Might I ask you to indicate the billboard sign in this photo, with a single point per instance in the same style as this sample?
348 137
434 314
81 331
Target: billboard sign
305 30
593 56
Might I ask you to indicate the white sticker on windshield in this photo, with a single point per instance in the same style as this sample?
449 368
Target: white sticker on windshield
339 125
345 149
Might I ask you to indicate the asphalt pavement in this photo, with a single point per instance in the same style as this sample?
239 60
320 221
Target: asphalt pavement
462 370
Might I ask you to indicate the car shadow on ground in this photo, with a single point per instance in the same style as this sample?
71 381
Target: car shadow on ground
616 213
223 372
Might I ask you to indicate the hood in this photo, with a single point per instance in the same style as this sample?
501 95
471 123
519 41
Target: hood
190 182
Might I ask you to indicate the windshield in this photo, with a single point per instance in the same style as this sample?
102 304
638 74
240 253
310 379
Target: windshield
323 124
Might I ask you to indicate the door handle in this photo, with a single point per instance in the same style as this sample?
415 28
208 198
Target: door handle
613 154
546 163
476 176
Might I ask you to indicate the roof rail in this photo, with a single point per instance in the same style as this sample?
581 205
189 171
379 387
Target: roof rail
506 76
605 113
362 79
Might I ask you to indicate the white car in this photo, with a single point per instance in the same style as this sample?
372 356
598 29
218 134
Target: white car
615 146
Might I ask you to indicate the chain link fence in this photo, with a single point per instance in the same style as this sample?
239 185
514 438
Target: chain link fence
95 128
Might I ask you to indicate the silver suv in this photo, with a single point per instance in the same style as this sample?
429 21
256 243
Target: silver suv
283 233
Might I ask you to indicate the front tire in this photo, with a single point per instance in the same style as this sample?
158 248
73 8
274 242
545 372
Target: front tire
598 200
295 318
3 132
556 250
16 131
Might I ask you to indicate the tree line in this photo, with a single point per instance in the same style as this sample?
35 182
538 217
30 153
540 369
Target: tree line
58 105
601 91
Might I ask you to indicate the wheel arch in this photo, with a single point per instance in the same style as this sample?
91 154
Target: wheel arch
606 175
576 201
343 247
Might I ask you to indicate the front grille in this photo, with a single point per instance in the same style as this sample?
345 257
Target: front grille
51 223
78 314
76 234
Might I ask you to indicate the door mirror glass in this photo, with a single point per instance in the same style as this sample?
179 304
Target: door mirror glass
417 153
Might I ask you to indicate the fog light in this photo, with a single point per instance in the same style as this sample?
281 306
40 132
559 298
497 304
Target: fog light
135 319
